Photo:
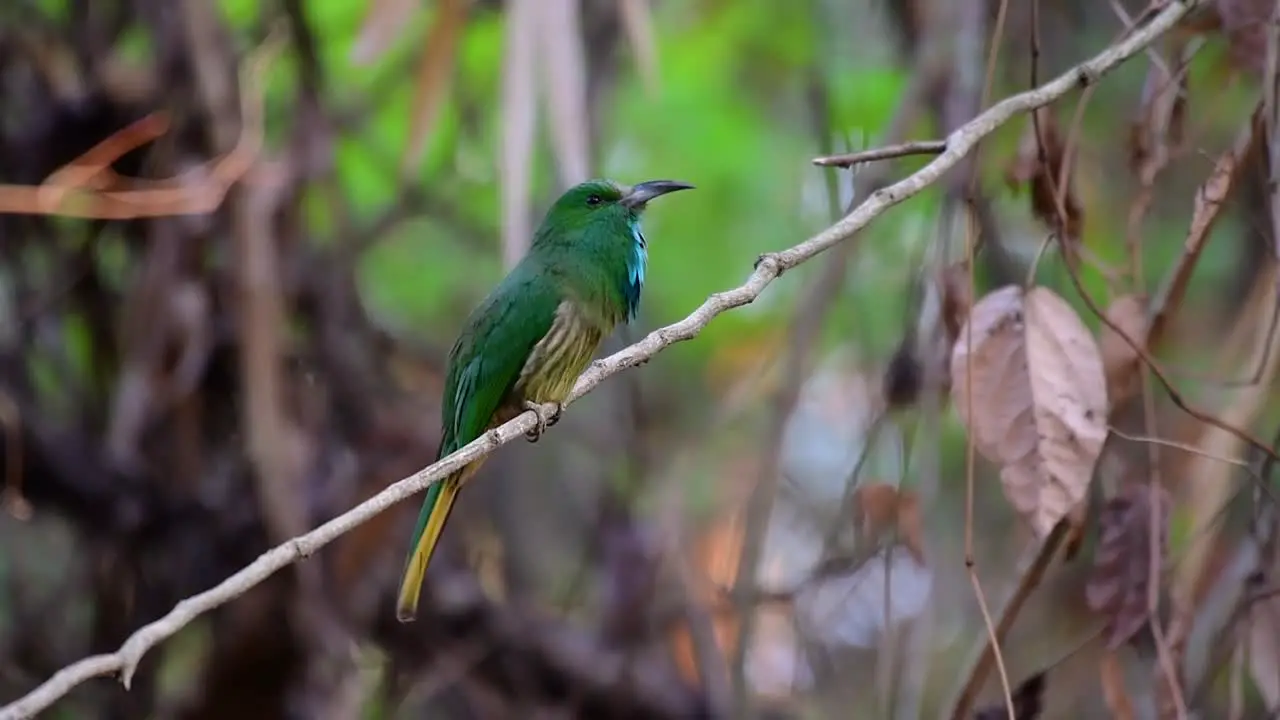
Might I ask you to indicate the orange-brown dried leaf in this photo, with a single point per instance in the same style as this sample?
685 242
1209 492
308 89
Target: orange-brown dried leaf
1120 361
1119 580
880 509
1039 163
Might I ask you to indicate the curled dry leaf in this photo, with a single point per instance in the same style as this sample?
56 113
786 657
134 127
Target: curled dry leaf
1210 200
1120 361
1032 394
1118 583
880 509
1043 171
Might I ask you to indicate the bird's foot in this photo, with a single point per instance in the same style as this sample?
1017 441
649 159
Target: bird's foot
545 420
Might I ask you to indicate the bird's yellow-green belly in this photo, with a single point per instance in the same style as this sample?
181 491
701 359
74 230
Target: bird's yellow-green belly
557 361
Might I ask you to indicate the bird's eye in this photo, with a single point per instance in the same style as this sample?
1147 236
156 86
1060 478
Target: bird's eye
593 200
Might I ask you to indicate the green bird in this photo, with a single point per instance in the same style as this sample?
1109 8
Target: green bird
530 339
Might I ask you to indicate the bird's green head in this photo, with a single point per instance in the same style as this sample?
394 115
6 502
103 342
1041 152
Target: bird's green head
595 226
600 201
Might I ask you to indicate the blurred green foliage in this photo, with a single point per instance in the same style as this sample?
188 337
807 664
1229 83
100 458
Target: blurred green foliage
729 115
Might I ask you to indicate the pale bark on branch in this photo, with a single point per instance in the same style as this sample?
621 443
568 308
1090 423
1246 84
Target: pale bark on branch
958 144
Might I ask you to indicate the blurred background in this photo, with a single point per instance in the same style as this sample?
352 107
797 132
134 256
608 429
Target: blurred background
778 505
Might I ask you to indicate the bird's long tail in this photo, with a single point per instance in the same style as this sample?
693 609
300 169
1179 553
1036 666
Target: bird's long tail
431 519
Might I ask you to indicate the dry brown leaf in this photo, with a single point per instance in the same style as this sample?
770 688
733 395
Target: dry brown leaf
1119 581
382 25
1211 198
1038 398
880 509
435 76
1120 361
1042 172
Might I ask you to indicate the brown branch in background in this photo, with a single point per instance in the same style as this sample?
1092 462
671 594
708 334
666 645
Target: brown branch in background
86 188
125 660
92 170
917 147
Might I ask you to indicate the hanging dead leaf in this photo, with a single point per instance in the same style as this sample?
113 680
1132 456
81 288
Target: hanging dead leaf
1120 361
1043 171
1210 199
435 76
880 509
1118 582
1037 403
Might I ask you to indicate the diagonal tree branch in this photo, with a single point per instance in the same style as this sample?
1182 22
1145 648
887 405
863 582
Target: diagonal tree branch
125 660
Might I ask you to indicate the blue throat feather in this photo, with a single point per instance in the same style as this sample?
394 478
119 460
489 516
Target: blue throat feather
635 270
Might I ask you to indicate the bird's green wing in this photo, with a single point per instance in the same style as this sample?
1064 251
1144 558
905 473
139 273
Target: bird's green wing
490 352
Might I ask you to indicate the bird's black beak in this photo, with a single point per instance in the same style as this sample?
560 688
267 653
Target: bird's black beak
646 191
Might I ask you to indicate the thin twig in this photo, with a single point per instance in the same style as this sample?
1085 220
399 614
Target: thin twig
977 675
970 561
1170 693
769 266
916 147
